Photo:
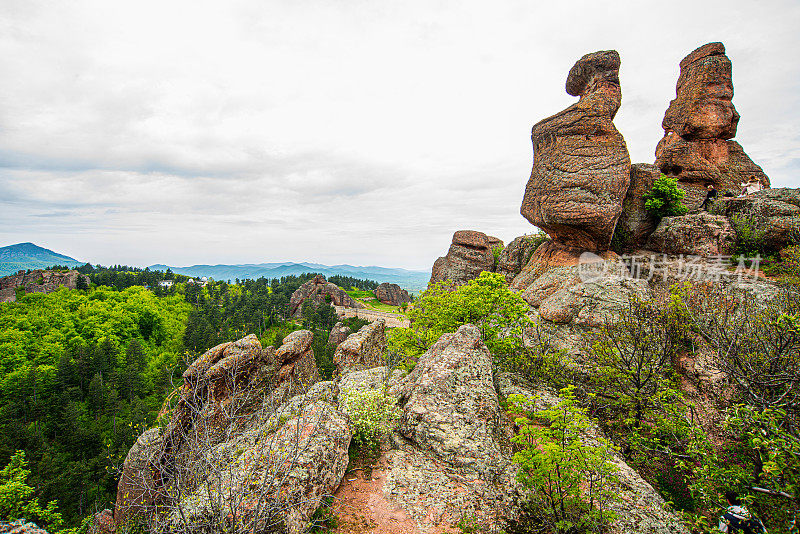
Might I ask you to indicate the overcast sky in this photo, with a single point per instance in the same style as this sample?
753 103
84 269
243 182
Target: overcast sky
361 132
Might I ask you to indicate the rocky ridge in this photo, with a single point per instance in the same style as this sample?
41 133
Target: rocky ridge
38 281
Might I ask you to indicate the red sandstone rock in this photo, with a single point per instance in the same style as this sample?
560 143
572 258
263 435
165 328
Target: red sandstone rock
470 254
392 294
38 281
320 291
698 127
581 166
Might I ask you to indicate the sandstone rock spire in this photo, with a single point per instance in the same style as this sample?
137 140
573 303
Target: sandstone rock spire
581 166
699 126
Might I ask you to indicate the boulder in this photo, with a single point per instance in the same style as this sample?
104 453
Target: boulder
450 404
451 461
297 366
773 213
320 291
581 166
102 523
516 255
470 254
137 489
392 294
338 334
697 234
362 350
20 526
698 127
635 225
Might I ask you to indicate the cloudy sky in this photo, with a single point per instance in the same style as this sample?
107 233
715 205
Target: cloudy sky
361 132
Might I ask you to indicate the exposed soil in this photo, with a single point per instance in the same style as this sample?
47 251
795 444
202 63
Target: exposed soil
362 507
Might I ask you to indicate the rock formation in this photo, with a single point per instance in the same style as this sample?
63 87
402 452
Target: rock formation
392 294
362 350
581 166
699 125
635 225
773 213
700 234
320 291
338 334
515 256
297 367
38 281
470 254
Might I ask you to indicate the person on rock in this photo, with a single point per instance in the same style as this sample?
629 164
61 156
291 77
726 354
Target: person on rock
710 196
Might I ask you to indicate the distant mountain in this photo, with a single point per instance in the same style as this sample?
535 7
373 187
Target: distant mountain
21 256
413 281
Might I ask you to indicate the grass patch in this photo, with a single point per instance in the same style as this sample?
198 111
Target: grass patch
375 304
359 293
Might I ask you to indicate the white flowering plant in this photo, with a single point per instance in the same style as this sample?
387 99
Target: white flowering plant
373 414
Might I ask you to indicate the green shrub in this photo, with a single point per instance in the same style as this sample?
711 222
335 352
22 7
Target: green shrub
665 198
373 414
751 228
16 496
571 480
496 251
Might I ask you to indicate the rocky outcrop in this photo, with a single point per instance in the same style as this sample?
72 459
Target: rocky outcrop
363 350
39 281
452 461
699 234
320 291
338 334
297 366
635 225
470 254
20 526
515 256
773 214
698 127
392 294
236 446
581 166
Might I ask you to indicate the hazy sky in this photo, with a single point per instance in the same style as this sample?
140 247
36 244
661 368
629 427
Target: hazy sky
361 132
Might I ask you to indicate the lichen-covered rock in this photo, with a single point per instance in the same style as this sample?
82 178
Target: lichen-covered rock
773 214
699 125
470 254
20 526
392 294
450 405
320 291
515 256
297 365
700 234
338 334
137 488
103 523
581 166
635 225
640 509
362 350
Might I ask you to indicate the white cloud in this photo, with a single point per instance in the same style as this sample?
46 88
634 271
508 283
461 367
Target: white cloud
360 132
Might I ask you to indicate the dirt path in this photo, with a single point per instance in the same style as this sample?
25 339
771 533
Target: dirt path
362 507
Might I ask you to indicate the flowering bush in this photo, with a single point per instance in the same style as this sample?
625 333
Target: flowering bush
373 414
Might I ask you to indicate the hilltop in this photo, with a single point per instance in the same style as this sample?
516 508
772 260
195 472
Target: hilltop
21 256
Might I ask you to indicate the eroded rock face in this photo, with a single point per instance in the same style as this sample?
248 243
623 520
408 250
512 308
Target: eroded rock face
515 256
297 366
775 212
699 125
450 404
338 334
698 234
38 281
581 166
635 225
363 350
136 490
320 291
470 254
392 294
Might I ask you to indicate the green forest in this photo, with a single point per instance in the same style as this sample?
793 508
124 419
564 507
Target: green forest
84 372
